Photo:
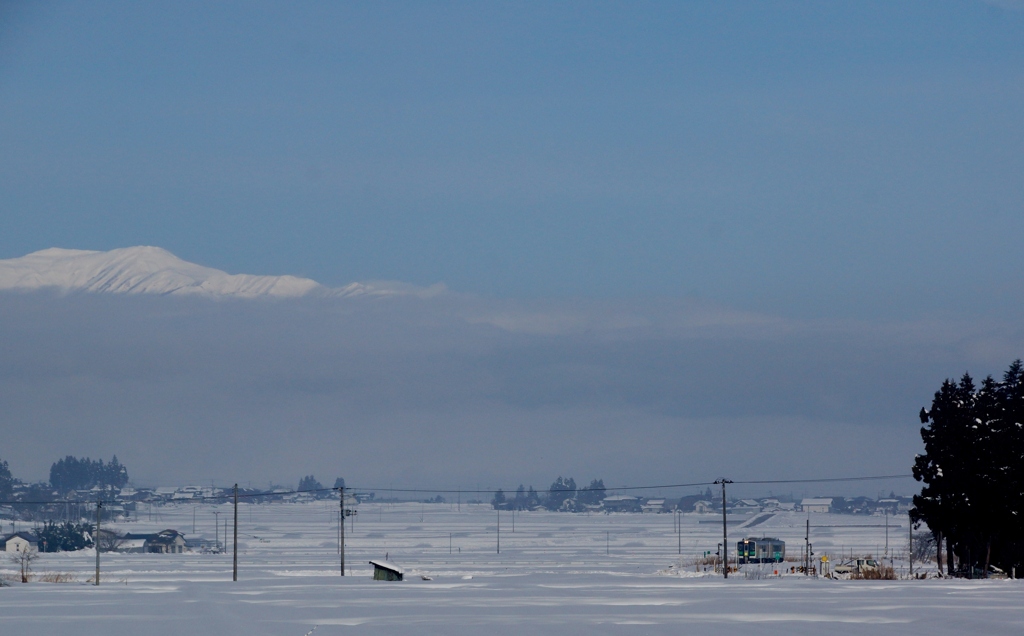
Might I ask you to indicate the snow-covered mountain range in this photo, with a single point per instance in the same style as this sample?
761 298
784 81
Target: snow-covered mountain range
153 270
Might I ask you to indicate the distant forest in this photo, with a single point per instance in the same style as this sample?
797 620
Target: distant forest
72 473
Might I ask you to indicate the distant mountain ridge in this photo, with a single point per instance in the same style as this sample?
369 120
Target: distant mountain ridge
154 270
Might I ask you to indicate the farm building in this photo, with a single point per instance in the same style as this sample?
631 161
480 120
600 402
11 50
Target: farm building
621 503
163 542
384 571
654 505
763 550
19 542
703 507
821 504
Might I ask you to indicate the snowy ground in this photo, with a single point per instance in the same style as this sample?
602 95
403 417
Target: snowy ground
557 573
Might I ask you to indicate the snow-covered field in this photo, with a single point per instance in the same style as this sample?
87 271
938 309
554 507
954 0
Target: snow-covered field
556 573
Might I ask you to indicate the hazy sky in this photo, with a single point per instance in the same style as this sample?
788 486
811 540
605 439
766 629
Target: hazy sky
848 173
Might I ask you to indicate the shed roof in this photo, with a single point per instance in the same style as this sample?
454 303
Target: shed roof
384 565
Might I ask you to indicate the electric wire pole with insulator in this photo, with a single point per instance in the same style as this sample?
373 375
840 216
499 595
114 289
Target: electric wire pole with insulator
725 531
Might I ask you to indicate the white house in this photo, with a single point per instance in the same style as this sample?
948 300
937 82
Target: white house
20 542
703 507
653 505
621 503
820 504
164 542
745 506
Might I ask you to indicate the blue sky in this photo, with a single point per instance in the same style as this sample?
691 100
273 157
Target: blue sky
812 158
666 227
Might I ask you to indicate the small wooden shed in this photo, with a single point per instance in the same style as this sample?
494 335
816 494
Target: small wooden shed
384 571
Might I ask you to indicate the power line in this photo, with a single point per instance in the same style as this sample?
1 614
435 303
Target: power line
817 481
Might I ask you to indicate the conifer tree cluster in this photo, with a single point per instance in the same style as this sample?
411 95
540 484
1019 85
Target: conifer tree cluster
64 537
72 473
562 495
973 473
310 483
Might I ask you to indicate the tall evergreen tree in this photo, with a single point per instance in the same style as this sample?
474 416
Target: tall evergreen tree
519 503
561 490
592 494
532 498
973 494
309 482
6 481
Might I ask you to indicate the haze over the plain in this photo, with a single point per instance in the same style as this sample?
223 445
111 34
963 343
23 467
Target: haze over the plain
639 241
450 389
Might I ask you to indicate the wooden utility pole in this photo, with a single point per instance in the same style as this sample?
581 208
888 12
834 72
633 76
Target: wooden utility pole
96 540
910 553
234 550
807 547
499 532
725 531
341 540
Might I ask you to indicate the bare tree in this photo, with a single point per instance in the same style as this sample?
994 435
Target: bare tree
23 560
110 540
924 547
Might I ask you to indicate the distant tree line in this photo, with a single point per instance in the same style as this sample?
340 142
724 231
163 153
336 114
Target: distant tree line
973 472
562 495
310 484
72 473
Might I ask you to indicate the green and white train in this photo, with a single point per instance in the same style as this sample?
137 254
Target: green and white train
763 550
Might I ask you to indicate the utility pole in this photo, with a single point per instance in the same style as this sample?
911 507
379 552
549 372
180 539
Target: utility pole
96 540
499 532
216 528
679 532
234 549
910 553
725 531
341 526
807 547
193 519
